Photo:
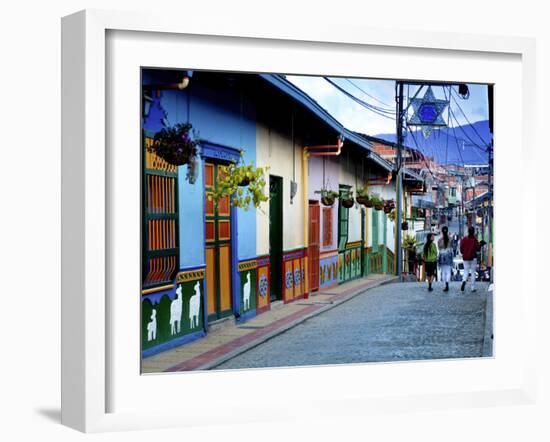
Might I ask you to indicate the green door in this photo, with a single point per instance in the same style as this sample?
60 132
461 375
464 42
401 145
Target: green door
276 236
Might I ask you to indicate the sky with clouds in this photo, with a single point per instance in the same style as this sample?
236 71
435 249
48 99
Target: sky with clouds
381 93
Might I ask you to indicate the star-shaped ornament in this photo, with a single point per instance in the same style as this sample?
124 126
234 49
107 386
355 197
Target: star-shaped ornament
427 112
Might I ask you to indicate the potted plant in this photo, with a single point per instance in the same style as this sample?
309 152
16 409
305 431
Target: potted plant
362 197
175 145
377 202
346 198
327 196
409 242
243 183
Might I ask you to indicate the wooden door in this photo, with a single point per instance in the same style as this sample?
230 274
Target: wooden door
313 245
218 246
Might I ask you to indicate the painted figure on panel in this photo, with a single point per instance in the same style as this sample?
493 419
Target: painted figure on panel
175 312
194 307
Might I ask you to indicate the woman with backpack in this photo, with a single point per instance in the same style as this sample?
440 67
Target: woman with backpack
429 256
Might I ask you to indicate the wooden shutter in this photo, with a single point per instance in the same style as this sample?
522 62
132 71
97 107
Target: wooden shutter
327 226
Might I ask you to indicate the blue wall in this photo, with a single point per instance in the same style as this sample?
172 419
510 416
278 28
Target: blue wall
220 116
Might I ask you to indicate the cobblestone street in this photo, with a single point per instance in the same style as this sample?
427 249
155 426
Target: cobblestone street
394 322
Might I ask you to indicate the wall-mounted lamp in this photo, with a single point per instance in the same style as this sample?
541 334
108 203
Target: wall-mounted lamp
184 83
293 190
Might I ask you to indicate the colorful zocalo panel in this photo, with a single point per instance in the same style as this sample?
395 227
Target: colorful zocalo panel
293 274
173 316
263 285
328 270
248 286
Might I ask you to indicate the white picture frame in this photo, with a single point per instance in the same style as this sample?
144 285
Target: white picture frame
87 235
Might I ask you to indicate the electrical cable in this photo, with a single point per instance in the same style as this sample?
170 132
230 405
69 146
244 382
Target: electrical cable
366 93
379 111
465 117
472 142
423 154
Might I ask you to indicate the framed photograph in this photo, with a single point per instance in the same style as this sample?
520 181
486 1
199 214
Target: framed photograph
250 211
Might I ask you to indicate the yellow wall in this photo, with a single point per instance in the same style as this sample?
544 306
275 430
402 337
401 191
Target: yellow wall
274 149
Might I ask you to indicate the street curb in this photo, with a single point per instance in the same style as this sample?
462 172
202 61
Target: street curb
230 355
487 350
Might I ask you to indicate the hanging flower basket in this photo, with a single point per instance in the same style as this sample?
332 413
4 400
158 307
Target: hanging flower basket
346 199
347 202
377 202
405 225
244 182
362 197
327 197
175 145
389 205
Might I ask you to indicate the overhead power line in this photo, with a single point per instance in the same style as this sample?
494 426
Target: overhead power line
367 94
377 110
453 116
466 118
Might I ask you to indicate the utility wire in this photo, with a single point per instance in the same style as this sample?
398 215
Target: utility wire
423 154
379 111
465 117
367 94
473 143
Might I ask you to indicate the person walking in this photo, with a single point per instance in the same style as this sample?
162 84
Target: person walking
469 247
445 258
455 244
429 256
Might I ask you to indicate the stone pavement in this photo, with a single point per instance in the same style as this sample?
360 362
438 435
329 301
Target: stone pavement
230 340
394 322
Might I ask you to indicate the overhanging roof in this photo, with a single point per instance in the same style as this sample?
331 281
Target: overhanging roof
285 86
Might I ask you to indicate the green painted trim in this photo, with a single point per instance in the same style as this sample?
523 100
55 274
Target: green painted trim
161 173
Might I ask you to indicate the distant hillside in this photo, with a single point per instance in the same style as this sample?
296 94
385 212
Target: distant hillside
451 146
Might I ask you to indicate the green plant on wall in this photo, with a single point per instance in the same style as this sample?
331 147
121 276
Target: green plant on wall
243 183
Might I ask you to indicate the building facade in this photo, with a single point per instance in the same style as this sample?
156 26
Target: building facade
205 262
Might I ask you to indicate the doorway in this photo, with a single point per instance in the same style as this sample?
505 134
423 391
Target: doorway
218 245
313 245
276 236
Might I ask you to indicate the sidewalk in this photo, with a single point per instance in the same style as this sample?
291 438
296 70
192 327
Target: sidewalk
232 339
